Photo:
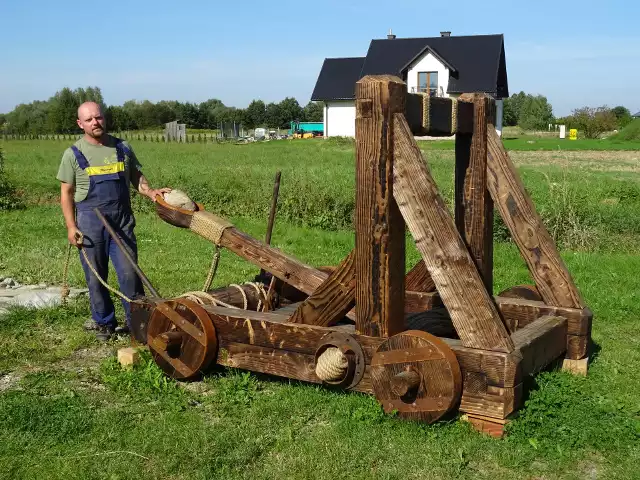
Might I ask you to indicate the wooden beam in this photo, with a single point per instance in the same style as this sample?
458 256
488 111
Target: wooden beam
553 280
519 313
437 116
380 229
288 269
540 343
272 330
418 279
333 299
471 307
473 204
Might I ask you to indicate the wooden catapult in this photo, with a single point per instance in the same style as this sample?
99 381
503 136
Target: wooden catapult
425 343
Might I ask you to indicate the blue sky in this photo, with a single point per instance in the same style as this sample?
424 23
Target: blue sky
575 53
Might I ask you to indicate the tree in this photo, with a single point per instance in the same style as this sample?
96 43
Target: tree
273 115
535 113
593 122
623 116
256 114
512 108
313 112
531 112
290 110
63 112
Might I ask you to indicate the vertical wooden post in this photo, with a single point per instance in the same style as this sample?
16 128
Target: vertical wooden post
473 204
380 228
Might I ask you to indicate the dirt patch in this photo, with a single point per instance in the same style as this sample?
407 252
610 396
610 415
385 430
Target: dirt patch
620 161
8 381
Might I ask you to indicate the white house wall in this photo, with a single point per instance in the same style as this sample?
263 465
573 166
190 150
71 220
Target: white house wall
428 63
340 119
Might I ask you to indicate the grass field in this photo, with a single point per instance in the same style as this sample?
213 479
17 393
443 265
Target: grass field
67 410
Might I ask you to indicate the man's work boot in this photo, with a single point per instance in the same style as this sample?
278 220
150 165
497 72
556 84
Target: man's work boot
104 332
90 325
123 330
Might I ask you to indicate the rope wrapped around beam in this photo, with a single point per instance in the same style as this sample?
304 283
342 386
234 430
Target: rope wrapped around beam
332 365
209 226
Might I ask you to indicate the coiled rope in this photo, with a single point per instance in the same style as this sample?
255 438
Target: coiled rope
332 365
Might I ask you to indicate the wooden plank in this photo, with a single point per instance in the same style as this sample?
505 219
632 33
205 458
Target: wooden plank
380 229
418 279
270 329
493 427
333 299
473 204
282 363
497 402
519 313
472 310
553 280
540 343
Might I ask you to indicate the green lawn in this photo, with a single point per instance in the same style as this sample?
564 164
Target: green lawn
67 410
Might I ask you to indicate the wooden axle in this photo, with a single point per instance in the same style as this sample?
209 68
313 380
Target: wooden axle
405 382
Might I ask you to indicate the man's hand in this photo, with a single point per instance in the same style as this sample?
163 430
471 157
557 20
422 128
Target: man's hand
152 192
73 235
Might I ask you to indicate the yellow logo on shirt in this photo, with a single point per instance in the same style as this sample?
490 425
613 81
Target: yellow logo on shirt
105 169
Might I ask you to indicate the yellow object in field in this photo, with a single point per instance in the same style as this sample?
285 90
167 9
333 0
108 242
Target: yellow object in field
573 134
303 135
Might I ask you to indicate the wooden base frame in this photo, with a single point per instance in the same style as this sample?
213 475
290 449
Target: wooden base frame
440 319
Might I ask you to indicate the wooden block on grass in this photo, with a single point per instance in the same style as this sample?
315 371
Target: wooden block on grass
578 367
128 356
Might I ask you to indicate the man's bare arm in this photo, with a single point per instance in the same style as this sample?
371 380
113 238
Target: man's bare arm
142 185
68 210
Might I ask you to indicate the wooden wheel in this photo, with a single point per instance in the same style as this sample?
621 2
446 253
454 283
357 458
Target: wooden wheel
417 375
181 338
525 292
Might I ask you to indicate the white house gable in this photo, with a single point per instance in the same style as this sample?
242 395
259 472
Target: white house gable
427 71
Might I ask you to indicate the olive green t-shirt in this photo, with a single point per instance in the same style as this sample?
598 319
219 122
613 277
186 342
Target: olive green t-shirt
97 156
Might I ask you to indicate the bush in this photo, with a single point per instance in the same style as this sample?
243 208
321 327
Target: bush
593 122
9 197
629 133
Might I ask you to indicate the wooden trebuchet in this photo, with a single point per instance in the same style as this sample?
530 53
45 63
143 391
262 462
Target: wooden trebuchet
363 325
463 292
553 280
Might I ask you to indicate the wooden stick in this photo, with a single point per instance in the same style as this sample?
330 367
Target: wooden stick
463 292
126 253
380 229
272 214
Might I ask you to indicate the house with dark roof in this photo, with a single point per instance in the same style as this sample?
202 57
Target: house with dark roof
444 66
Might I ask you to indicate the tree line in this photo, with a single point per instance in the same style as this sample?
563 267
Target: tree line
58 114
534 112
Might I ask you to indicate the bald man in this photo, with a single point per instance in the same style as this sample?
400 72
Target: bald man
98 171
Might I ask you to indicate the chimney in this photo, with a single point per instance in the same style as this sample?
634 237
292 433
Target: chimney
390 36
445 34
